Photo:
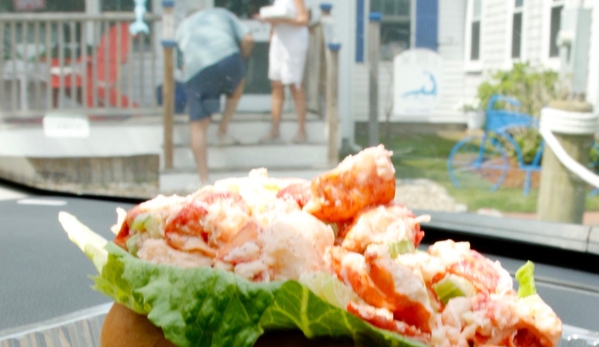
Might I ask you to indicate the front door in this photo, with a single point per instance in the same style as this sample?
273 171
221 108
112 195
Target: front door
256 97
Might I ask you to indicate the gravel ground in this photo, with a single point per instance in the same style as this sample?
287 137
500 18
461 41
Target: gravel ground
416 194
419 194
425 194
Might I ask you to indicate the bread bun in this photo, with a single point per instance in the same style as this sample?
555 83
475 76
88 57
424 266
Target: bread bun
125 328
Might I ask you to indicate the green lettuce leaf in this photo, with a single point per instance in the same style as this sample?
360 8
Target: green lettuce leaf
526 280
211 307
194 306
88 241
296 307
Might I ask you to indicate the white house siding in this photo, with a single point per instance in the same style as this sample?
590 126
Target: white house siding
494 34
452 16
494 49
361 90
472 81
452 21
593 83
533 31
536 17
446 111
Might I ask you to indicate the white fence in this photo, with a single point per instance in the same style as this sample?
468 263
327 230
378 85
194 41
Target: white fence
77 62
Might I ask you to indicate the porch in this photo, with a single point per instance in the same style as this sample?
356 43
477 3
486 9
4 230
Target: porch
89 69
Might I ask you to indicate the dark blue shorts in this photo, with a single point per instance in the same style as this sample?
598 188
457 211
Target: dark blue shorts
205 88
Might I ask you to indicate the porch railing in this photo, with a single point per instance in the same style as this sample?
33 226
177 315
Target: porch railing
315 72
77 62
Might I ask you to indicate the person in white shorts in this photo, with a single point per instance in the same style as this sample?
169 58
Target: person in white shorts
287 59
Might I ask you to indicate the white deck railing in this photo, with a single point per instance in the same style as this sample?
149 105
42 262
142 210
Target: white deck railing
76 62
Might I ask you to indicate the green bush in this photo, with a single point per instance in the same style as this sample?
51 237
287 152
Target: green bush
529 141
533 87
594 157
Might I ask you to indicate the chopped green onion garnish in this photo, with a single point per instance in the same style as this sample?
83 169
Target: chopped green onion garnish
452 286
400 247
139 221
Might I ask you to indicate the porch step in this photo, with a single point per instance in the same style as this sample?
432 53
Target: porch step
137 136
282 160
252 117
249 132
278 156
186 181
144 135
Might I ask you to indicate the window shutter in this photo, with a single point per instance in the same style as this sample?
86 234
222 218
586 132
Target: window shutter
427 24
360 29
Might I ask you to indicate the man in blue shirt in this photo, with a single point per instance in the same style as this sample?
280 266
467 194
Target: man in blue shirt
214 44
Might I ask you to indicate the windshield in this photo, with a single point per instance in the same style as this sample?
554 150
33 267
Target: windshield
95 99
487 108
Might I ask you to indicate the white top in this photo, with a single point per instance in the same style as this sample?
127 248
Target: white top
293 37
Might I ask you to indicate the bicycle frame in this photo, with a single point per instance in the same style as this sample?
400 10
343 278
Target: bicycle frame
497 130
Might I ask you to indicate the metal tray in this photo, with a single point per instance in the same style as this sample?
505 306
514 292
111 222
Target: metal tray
83 328
78 329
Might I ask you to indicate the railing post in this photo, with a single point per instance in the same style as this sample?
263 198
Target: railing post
562 193
374 34
326 20
168 85
326 30
332 102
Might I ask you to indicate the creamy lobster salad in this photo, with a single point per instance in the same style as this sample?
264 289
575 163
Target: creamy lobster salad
342 236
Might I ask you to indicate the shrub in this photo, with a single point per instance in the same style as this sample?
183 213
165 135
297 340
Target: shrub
533 87
529 141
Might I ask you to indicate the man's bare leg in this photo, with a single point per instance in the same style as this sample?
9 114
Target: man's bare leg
230 107
278 98
299 101
198 130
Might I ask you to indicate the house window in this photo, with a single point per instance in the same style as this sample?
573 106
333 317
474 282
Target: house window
242 8
395 26
556 17
475 30
256 77
517 30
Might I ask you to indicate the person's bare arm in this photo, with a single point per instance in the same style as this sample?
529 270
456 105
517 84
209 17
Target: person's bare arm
302 18
246 45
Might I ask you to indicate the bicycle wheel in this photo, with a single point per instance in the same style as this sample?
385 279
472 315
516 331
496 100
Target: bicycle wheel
478 162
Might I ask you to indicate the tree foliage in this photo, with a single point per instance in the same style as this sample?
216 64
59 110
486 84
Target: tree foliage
534 87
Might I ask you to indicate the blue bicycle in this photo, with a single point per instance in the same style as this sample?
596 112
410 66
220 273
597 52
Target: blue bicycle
484 161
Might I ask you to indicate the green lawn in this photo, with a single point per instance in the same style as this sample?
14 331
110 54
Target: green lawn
425 156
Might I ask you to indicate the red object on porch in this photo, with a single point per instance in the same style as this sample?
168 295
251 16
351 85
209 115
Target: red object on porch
28 5
107 71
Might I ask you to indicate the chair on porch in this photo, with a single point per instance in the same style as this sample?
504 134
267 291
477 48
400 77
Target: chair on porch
108 64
